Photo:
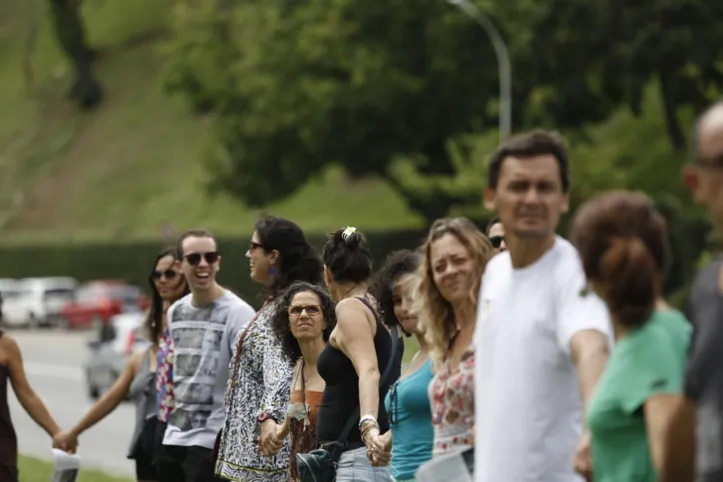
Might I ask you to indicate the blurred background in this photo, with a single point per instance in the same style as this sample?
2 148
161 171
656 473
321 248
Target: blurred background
123 123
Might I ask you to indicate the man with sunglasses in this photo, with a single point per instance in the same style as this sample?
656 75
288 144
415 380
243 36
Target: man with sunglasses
496 234
203 327
704 375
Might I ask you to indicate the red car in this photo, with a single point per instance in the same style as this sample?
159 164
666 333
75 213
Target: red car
95 303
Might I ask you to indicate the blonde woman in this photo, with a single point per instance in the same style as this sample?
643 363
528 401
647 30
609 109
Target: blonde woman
455 255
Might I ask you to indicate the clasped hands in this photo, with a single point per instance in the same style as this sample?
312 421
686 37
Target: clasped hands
379 447
66 440
271 438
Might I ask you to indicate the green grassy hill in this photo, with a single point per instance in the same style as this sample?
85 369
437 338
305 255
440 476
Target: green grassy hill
133 166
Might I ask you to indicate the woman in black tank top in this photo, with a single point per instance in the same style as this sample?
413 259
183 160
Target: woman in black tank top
11 370
351 364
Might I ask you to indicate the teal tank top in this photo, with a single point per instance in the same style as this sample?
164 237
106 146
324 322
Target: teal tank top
410 417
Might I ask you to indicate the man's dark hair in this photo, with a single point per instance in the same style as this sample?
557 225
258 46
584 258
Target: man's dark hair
530 144
195 233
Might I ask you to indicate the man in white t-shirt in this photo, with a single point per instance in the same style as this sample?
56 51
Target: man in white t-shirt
542 339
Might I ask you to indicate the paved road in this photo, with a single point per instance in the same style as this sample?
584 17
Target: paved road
53 362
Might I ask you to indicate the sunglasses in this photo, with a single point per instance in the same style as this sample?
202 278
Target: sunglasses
169 274
496 241
311 310
253 245
194 259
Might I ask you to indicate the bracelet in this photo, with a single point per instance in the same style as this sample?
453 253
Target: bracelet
367 430
368 418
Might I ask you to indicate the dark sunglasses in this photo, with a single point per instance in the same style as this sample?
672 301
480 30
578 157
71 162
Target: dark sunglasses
253 246
311 310
169 274
496 241
194 259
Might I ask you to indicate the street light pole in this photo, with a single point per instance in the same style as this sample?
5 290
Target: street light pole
503 61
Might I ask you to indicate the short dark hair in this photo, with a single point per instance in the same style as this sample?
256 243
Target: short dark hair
493 221
396 265
348 256
298 260
192 233
280 318
530 144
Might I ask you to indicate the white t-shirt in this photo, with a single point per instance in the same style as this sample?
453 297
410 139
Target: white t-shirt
528 409
203 345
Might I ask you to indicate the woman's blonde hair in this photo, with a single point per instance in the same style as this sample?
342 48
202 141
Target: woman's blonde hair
435 314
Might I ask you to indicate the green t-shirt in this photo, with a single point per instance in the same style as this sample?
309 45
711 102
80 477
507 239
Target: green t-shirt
648 361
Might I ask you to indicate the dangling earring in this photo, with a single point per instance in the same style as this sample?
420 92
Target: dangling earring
272 271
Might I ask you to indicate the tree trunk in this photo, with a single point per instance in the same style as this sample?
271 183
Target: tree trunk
70 32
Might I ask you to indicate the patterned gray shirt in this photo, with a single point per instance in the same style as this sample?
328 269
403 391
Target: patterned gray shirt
203 345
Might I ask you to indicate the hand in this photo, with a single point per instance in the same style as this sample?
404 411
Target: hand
270 441
376 447
66 441
583 459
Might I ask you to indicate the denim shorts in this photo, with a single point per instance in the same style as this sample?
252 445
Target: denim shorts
354 466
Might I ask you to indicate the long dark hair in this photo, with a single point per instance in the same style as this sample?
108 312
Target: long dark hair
280 318
298 260
154 321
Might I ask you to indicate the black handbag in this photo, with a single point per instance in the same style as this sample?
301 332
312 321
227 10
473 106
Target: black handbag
320 465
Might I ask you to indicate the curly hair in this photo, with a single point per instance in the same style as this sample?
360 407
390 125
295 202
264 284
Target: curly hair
435 313
280 318
396 265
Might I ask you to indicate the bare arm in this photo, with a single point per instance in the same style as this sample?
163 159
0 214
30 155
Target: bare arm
590 352
112 398
25 394
355 338
678 464
658 411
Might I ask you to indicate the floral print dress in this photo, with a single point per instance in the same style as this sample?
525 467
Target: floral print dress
164 377
262 385
451 396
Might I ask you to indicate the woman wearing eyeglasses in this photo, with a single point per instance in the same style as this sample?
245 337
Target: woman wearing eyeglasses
411 437
259 387
138 379
302 323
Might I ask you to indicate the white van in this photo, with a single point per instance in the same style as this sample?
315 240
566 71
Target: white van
8 289
38 301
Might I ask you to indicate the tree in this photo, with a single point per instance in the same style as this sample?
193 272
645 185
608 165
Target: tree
70 32
388 88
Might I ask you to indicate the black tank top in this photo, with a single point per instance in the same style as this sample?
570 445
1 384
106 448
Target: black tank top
341 394
8 441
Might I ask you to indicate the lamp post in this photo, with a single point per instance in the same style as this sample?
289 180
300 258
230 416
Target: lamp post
503 62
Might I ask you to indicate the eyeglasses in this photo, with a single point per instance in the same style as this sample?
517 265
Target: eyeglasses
311 310
496 241
169 274
194 259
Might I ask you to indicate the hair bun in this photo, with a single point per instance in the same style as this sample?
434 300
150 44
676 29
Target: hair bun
350 237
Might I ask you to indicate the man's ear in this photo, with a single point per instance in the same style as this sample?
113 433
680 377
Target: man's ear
490 199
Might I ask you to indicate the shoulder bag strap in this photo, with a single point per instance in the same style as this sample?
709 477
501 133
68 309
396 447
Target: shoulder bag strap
353 420
237 357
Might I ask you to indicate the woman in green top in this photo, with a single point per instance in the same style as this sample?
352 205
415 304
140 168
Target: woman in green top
622 241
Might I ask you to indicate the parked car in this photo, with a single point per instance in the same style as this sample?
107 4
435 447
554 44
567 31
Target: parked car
37 301
95 303
8 289
116 342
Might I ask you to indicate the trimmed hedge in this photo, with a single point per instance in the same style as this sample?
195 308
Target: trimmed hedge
131 262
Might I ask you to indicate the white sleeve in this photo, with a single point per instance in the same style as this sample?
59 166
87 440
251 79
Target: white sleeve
241 315
577 307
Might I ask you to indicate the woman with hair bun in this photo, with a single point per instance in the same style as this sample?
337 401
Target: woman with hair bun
352 363
622 241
